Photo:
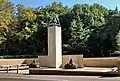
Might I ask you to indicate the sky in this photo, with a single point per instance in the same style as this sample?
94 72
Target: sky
110 4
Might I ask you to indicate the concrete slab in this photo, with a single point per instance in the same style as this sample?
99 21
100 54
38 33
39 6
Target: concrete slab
21 77
78 71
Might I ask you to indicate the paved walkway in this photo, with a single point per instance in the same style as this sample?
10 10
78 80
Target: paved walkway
89 69
23 75
86 69
78 71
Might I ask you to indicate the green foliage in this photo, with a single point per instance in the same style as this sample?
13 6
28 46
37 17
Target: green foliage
79 35
89 29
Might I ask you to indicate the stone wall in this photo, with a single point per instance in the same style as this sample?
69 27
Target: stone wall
100 62
14 62
88 62
94 62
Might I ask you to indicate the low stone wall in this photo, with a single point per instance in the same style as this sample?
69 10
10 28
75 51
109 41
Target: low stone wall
14 62
43 60
90 62
100 62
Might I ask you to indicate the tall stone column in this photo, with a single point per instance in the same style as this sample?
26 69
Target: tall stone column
54 43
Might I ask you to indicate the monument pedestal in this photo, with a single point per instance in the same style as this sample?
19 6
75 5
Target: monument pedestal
54 58
54 46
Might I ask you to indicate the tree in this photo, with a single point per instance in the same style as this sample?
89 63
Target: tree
6 19
85 18
118 41
89 29
5 13
79 35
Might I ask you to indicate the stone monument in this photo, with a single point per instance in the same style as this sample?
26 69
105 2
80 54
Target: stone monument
54 58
